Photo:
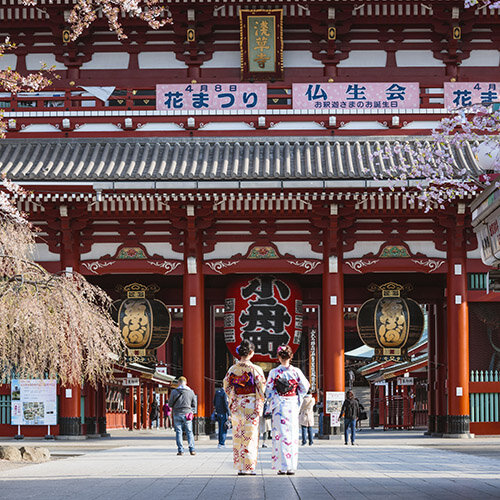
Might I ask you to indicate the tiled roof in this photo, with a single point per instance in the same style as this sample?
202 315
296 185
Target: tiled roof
201 159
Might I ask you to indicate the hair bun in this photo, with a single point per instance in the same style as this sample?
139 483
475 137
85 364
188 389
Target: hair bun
245 348
285 352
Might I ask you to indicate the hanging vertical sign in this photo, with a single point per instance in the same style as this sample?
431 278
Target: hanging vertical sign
261 44
313 344
266 311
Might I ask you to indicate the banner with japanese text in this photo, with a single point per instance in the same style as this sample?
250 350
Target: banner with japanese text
33 402
261 40
212 96
460 94
356 95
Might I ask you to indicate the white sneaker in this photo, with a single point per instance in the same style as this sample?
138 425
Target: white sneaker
221 446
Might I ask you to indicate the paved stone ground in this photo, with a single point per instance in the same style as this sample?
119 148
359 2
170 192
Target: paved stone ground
144 465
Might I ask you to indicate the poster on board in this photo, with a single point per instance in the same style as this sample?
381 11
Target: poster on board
334 400
33 402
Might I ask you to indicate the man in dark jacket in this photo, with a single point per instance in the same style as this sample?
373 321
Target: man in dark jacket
183 403
350 412
221 407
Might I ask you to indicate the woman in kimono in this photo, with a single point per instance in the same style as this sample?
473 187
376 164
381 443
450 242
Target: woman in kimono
244 384
286 386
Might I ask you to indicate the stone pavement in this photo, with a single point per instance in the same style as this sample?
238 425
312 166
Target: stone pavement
144 465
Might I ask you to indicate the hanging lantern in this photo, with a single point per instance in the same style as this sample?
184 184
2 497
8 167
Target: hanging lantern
266 311
144 322
390 323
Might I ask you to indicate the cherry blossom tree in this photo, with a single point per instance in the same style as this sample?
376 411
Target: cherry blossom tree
432 164
85 12
50 325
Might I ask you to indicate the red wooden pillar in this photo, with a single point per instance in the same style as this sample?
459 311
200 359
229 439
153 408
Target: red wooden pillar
332 340
145 406
70 411
90 409
194 320
150 401
130 409
431 370
458 418
138 407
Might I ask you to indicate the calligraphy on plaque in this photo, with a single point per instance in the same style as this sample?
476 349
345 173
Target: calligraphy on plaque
265 310
261 44
329 96
459 95
214 96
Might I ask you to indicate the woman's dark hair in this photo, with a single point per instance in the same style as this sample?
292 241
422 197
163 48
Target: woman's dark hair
245 348
285 352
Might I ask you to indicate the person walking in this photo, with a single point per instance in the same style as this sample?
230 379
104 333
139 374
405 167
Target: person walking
350 412
167 415
221 407
265 423
244 385
306 418
183 403
154 413
286 386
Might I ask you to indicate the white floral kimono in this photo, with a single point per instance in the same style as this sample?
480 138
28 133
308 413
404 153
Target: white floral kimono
285 416
244 384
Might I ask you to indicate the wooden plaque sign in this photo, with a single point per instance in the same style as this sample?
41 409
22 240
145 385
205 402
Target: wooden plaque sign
261 39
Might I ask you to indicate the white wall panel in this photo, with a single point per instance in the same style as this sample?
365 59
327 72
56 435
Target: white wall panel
417 59
159 60
43 254
224 59
490 58
100 249
8 61
163 249
300 59
301 249
34 61
364 59
108 60
227 250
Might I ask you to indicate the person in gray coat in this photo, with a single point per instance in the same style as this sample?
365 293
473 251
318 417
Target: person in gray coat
183 403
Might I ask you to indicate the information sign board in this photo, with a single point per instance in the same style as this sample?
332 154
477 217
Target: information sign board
33 402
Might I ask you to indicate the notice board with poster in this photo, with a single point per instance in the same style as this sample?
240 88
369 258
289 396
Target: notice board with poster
334 400
33 402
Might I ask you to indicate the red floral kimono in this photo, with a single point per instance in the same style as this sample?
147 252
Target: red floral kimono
244 384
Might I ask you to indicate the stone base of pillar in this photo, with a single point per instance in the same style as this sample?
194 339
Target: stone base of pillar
70 426
91 425
457 425
101 427
440 424
431 425
210 427
199 426
329 432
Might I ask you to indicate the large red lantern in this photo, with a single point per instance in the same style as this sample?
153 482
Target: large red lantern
266 311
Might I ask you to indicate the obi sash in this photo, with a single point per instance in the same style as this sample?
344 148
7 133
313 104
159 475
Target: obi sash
243 384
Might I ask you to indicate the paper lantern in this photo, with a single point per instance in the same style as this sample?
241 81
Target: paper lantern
266 311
